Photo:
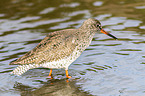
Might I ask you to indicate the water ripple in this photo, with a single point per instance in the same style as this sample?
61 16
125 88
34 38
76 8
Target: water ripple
106 68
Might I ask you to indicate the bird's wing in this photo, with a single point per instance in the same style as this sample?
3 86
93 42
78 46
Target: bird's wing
55 46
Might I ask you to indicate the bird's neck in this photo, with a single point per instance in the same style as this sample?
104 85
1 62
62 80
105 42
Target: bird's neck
88 27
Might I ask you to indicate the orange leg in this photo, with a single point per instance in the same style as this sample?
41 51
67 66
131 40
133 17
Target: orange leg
67 74
50 76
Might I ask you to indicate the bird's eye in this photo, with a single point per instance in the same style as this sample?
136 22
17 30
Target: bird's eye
98 25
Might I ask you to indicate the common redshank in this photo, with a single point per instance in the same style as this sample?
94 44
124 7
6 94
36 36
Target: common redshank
60 48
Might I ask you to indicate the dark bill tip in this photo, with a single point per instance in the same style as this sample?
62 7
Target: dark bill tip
103 31
112 36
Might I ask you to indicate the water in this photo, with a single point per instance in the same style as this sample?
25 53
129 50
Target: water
106 68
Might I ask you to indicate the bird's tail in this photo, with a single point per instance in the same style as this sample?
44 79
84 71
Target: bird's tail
23 68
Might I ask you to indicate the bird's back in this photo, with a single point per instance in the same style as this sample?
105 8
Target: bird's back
55 46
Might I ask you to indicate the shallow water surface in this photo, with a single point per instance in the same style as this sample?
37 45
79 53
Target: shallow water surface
106 68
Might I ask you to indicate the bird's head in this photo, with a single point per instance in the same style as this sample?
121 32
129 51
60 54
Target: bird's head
95 25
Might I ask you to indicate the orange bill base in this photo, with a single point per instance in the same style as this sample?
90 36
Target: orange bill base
103 31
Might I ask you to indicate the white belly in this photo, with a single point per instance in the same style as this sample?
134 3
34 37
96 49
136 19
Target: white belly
62 63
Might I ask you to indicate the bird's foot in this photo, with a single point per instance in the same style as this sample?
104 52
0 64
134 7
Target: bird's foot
50 77
68 77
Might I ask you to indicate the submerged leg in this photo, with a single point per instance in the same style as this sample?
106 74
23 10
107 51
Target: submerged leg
67 74
50 76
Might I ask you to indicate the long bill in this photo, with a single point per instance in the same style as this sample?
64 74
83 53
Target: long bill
103 31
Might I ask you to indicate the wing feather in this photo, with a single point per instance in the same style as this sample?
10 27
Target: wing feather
53 47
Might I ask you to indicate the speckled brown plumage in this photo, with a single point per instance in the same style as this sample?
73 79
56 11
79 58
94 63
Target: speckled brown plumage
44 51
60 48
